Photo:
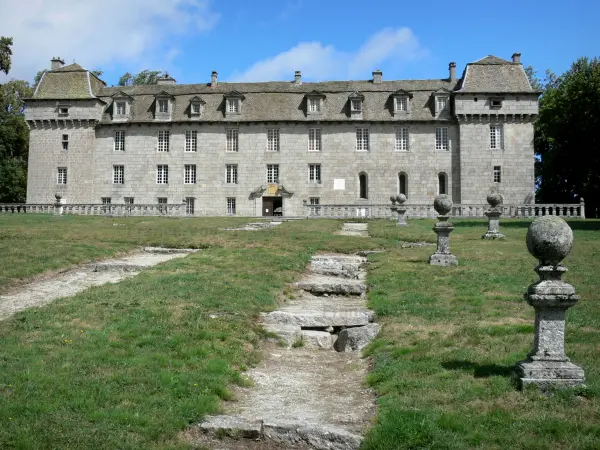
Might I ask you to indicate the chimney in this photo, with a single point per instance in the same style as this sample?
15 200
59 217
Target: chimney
377 75
213 78
297 77
166 80
516 57
452 70
56 63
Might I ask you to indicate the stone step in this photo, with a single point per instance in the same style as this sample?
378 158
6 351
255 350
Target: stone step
320 319
323 284
346 266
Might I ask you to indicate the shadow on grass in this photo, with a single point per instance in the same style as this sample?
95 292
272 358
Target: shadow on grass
479 370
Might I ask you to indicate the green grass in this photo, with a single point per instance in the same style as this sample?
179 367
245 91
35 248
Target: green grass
131 365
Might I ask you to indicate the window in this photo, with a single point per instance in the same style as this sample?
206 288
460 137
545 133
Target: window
196 108
314 105
496 102
119 141
191 141
106 200
401 104
496 137
403 184
441 103
163 106
363 186
189 205
362 139
233 105
63 110
162 200
62 175
118 174
314 201
442 184
232 140
497 174
128 200
314 140
314 173
231 173
163 141
162 174
231 206
121 107
65 142
355 105
401 144
441 138
273 140
272 173
189 174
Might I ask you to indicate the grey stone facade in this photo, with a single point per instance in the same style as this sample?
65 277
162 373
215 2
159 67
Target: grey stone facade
71 101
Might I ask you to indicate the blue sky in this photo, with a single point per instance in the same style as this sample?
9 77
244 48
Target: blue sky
264 40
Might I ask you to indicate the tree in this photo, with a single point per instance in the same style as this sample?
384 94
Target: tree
567 141
5 54
144 77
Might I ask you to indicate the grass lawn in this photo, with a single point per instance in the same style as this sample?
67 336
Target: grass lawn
131 365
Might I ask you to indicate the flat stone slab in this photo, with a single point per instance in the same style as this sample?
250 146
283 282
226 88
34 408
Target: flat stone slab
546 374
347 266
317 339
321 437
322 284
233 426
254 226
288 334
443 259
354 229
357 338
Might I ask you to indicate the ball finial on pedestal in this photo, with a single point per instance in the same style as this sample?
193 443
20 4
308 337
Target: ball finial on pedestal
393 199
549 239
494 199
400 199
442 204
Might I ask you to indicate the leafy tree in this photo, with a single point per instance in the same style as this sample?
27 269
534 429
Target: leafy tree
5 54
567 141
144 77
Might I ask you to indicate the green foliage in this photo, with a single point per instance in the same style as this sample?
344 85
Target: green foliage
5 53
566 135
144 77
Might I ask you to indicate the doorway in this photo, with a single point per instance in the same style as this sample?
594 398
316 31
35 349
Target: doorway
272 206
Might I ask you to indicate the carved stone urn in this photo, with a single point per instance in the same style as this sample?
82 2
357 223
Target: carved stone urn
442 256
493 214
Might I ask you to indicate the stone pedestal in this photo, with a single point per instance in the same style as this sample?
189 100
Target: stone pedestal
442 256
493 231
550 239
401 217
398 207
58 205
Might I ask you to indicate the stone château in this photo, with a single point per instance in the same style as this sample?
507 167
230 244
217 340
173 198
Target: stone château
255 148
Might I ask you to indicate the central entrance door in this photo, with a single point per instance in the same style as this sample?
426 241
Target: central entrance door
272 206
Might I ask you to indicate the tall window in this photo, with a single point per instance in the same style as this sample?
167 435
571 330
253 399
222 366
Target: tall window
189 205
118 174
403 184
65 142
314 104
401 104
191 141
496 137
119 141
363 186
314 140
401 144
163 106
272 173
231 206
497 174
120 108
362 139
442 183
232 140
189 174
314 203
273 140
314 173
356 105
231 171
61 177
441 103
233 105
162 174
163 141
441 138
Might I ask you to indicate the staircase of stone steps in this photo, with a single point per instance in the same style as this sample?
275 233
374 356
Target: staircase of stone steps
309 390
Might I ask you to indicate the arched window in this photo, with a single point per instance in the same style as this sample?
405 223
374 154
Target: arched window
364 185
442 183
403 184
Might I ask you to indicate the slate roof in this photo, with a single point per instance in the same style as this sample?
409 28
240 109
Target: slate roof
494 75
71 82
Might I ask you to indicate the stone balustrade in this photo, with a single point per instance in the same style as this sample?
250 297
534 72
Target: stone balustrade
113 210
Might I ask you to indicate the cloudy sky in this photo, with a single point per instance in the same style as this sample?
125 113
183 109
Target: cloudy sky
269 39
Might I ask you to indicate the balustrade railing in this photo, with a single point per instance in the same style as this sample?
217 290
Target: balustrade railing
113 210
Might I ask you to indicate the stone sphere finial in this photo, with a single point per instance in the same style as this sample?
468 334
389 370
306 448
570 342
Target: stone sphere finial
442 204
392 199
58 197
549 239
400 198
494 199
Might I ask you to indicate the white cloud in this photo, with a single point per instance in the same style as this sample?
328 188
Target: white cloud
319 62
97 33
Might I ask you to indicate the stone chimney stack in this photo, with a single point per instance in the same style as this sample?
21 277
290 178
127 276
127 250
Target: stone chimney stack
452 70
377 76
56 63
516 57
166 80
297 77
213 78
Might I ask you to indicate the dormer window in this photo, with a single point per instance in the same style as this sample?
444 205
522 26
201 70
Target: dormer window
441 103
121 105
233 103
196 106
401 104
121 108
441 98
356 104
314 103
163 106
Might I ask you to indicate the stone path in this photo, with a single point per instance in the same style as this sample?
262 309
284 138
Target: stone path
309 391
75 280
354 229
254 226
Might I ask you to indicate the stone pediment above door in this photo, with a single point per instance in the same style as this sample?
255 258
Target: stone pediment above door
271 190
